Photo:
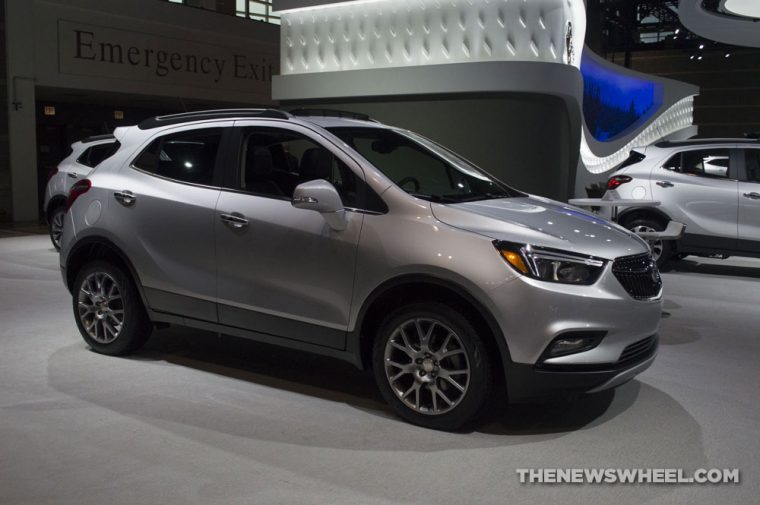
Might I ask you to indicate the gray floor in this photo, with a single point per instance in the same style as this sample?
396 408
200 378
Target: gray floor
194 419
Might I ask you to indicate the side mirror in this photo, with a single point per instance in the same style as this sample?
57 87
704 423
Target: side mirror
321 196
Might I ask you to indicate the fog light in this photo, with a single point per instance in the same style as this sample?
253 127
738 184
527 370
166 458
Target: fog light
573 343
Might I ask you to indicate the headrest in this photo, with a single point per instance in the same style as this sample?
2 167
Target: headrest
259 163
316 163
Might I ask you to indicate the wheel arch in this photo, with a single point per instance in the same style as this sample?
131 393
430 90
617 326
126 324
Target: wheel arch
631 214
100 248
418 287
54 203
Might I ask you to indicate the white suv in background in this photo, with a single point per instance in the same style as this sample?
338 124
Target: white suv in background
710 185
85 155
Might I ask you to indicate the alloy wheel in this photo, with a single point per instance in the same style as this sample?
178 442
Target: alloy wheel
656 246
56 228
100 307
427 366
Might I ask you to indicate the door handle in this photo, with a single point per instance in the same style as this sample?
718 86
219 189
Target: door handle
234 220
752 196
126 198
665 184
73 175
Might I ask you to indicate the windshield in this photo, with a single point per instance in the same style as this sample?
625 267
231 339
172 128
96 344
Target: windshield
421 167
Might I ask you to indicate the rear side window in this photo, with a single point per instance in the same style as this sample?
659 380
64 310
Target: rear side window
633 158
703 163
752 162
93 156
188 156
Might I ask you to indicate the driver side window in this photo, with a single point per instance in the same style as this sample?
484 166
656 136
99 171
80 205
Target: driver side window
274 162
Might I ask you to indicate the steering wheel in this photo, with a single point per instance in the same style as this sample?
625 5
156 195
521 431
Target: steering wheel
407 180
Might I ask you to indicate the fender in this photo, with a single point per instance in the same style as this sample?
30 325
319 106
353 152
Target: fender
354 338
99 241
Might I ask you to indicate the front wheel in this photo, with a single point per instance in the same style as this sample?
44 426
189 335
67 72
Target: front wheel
431 366
662 250
108 310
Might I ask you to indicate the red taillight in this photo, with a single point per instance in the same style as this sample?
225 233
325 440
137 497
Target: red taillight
78 189
51 173
617 180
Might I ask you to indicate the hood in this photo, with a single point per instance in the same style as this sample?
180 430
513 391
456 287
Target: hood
542 222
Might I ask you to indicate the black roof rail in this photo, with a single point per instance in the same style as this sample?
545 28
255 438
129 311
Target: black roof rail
701 142
200 115
331 113
95 138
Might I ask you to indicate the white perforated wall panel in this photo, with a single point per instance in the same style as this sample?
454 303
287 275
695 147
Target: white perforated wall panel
397 33
677 117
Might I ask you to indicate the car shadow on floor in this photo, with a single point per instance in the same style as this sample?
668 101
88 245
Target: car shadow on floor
694 266
333 380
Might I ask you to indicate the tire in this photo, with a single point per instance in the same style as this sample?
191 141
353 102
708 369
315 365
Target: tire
662 250
105 298
55 225
416 380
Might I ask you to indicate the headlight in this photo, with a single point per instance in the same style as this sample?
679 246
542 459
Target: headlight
551 265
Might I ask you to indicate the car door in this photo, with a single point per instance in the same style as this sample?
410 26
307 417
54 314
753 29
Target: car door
281 270
163 207
749 201
698 187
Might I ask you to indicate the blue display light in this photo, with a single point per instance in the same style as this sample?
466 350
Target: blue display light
614 102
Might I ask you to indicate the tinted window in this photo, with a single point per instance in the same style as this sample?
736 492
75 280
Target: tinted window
94 155
752 157
187 157
421 167
704 163
674 163
275 161
633 158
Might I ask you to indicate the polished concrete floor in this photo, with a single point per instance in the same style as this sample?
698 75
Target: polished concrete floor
197 419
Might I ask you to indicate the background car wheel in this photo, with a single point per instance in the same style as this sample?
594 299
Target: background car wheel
431 366
108 310
55 226
662 250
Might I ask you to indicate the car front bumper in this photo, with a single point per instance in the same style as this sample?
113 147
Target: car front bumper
533 382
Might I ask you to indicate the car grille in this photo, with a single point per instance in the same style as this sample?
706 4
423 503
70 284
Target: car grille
639 276
638 350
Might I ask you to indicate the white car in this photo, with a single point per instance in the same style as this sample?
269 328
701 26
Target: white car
85 155
710 185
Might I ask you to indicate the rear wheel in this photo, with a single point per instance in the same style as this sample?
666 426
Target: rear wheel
662 250
108 310
55 226
431 366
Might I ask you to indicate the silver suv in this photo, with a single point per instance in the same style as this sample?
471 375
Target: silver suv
348 238
710 185
83 156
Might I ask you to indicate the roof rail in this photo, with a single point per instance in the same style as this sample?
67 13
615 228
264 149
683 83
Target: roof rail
95 138
331 113
185 117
